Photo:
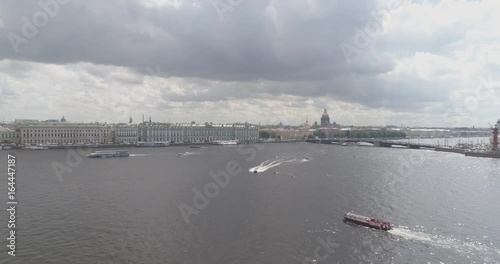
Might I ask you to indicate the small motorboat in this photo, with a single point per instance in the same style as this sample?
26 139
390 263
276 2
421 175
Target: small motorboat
367 221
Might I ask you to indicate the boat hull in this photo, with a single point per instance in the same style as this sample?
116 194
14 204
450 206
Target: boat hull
368 222
107 156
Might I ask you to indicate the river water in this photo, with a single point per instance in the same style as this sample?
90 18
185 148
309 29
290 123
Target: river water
128 210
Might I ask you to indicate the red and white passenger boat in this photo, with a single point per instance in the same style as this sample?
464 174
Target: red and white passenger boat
367 221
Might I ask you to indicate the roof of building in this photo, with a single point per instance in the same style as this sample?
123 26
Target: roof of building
59 124
4 129
325 114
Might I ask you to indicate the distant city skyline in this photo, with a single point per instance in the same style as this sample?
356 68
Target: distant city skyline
384 62
301 124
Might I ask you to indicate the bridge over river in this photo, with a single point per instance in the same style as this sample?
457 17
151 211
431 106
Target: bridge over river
377 142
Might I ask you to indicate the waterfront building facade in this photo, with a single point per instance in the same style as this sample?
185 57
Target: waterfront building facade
125 134
429 132
62 133
176 133
158 132
8 135
246 132
330 132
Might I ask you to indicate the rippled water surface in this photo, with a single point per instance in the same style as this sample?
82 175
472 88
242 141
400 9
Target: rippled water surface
128 210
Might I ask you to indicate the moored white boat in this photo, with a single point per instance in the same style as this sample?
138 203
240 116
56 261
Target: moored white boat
38 147
109 153
152 144
226 142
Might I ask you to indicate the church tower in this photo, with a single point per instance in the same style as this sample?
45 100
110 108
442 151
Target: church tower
325 119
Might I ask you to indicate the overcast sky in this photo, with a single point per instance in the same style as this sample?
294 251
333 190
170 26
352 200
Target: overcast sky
379 62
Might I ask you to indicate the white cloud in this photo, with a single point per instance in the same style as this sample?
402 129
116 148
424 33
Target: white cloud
269 61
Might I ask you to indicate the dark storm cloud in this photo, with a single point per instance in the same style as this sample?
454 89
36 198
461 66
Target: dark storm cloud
405 94
290 47
191 41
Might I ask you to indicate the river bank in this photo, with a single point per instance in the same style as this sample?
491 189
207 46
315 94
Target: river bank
9 147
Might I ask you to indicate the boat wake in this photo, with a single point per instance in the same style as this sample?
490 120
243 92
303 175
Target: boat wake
266 165
411 235
485 249
269 164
